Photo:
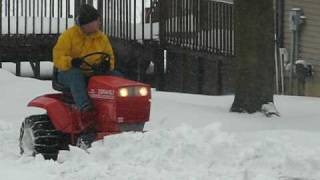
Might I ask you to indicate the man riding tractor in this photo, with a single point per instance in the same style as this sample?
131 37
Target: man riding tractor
81 39
93 101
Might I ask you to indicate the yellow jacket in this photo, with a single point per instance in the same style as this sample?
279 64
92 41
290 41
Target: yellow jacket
74 43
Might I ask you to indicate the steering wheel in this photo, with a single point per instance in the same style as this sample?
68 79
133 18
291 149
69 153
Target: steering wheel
98 68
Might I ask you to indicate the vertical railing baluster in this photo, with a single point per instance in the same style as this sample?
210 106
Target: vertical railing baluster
67 12
58 16
104 10
165 19
33 17
197 25
172 19
194 24
50 16
232 32
172 8
142 19
124 19
111 18
130 18
21 6
13 7
217 29
200 25
175 15
135 20
53 8
26 17
207 26
121 17
38 8
76 5
30 10
181 41
169 8
61 10
41 19
104 15
5 7
187 23
209 21
176 22
9 22
230 29
220 28
127 20
0 19
211 10
107 9
118 19
45 8
114 18
227 13
151 22
17 18
224 29
184 16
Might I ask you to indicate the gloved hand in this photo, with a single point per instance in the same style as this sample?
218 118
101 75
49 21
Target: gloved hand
76 62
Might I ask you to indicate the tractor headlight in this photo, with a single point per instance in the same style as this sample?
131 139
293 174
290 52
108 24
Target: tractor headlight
133 91
143 91
123 92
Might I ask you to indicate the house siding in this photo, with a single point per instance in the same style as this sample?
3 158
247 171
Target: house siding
309 43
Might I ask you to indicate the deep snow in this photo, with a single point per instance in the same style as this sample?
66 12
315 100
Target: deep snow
192 137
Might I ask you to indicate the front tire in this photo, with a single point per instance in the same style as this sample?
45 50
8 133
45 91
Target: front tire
38 136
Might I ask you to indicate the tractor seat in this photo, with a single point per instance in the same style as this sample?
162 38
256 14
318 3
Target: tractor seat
67 96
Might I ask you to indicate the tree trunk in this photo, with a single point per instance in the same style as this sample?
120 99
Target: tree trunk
254 33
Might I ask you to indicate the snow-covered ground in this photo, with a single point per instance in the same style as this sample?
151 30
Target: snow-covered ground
189 137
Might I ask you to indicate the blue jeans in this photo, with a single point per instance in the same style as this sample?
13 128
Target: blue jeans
76 81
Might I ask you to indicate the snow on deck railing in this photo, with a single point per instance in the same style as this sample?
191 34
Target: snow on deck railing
40 25
50 17
35 25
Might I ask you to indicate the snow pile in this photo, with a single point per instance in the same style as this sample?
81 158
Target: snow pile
164 154
190 137
188 153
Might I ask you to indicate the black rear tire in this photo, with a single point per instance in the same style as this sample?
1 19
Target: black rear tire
39 136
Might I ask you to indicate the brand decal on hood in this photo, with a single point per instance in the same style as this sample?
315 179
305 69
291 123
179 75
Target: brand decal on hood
101 93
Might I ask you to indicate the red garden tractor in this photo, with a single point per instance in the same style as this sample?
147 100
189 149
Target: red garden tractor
120 105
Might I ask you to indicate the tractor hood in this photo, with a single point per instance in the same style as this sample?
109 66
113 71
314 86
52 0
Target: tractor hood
109 87
112 82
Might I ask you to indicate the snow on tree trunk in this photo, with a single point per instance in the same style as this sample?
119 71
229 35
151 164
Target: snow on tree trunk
254 55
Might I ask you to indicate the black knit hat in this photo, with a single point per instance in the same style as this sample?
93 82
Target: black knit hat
87 14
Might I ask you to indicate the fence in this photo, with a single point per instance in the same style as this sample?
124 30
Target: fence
24 24
35 16
198 36
199 25
131 19
189 43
